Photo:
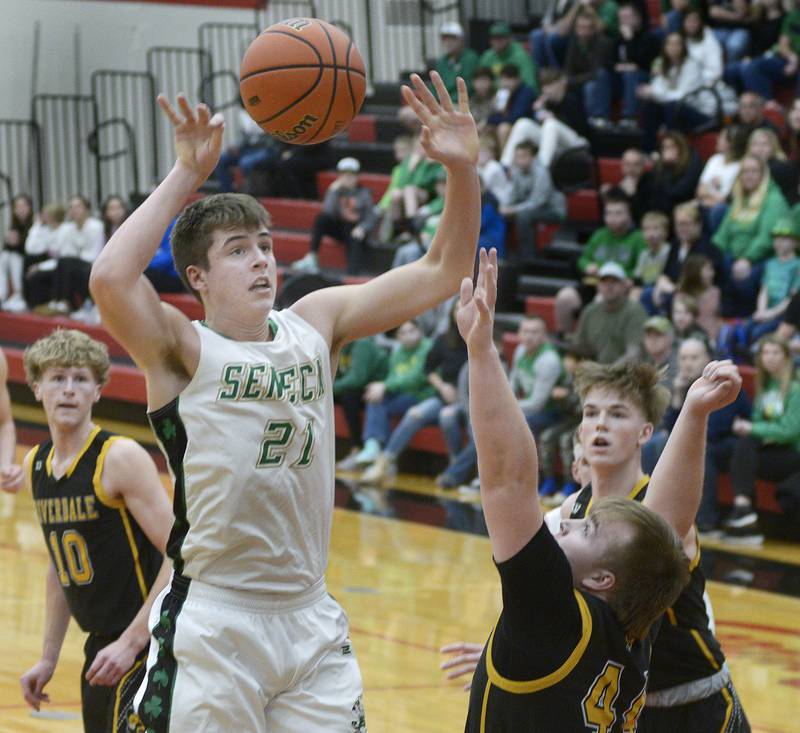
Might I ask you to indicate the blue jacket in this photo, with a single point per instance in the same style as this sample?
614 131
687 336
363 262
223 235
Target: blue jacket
518 105
720 422
493 226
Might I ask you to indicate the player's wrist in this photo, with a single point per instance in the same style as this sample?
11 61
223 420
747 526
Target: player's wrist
182 174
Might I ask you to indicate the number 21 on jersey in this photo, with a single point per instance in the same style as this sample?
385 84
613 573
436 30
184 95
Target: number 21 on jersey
279 438
599 713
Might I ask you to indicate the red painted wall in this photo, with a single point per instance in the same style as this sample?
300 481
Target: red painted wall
213 3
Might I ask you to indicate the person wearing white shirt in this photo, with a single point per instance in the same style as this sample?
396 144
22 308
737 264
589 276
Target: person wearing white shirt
716 181
703 46
41 255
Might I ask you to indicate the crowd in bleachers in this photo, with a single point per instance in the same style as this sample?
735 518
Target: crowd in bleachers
693 256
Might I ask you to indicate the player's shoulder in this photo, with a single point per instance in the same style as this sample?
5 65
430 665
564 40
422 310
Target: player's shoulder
120 449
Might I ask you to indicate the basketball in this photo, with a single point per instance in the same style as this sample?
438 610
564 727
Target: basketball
302 80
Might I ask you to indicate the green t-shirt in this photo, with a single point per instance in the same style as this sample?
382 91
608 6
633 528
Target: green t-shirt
407 371
423 175
608 333
608 13
514 54
791 28
605 246
777 419
465 67
360 362
781 279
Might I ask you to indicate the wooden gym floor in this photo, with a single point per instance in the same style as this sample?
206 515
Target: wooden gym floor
413 572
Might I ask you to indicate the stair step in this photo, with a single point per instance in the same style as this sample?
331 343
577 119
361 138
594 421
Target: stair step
538 285
374 157
545 266
505 322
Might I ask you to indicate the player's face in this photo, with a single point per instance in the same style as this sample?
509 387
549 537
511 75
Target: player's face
612 430
584 542
67 395
241 276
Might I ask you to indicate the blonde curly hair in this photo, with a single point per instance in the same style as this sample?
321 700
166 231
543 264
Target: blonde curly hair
66 348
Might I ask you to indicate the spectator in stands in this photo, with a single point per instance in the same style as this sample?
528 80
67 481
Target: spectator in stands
424 226
673 179
589 51
493 175
659 347
763 143
533 198
389 208
535 369
347 215
113 212
780 281
294 172
744 237
696 280
717 179
765 30
455 426
12 253
457 59
769 443
557 440
515 100
481 101
361 362
442 367
503 50
793 123
703 46
779 65
730 21
559 121
790 326
161 271
612 326
406 385
634 166
41 245
684 314
675 75
618 241
254 149
493 225
636 49
749 117
651 261
689 240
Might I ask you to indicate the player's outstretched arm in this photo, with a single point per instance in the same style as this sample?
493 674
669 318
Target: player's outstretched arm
10 472
129 306
130 477
449 136
507 461
677 481
56 621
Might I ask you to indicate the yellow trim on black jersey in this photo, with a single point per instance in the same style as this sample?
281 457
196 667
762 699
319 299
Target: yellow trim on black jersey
121 687
49 462
695 561
728 711
640 484
703 648
29 456
134 552
485 705
673 619
97 482
525 687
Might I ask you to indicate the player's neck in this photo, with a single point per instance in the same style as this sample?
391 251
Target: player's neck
239 329
617 480
68 441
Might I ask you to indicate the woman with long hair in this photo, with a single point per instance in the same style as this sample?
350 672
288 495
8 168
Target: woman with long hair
113 211
717 179
674 176
764 144
12 254
745 235
769 443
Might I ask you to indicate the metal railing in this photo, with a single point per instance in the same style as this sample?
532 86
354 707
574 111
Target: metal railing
21 158
121 180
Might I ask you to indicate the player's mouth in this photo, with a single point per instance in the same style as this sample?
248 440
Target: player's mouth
66 406
600 442
261 285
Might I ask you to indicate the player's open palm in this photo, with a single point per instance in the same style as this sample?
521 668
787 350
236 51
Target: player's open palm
449 134
198 135
33 682
475 313
717 387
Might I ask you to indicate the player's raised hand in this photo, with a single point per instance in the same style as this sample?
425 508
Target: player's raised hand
464 660
198 135
449 134
717 387
111 662
475 313
33 682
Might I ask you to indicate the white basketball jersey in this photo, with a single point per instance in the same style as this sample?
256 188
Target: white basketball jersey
250 444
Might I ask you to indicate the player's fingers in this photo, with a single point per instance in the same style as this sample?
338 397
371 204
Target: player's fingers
217 121
464 658
424 94
441 91
463 97
456 646
420 110
467 686
425 138
186 108
203 113
168 109
465 294
460 671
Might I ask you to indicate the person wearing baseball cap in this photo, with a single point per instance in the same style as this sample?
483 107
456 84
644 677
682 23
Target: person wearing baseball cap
457 59
659 347
503 50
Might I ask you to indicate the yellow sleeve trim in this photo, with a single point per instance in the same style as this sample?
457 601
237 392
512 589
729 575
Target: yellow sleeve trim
640 484
671 616
703 648
29 456
695 561
134 552
522 688
485 705
97 481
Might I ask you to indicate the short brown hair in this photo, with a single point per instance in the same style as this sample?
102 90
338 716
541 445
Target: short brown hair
651 568
66 348
656 217
634 381
193 233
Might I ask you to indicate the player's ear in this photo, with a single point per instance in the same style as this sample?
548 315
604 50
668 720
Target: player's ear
196 277
37 391
646 433
600 580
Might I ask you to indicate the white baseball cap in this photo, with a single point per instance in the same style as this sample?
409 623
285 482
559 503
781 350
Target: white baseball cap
452 29
611 269
348 165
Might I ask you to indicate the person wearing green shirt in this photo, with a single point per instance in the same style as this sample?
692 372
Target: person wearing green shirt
457 59
405 385
781 63
360 363
745 235
769 443
503 51
618 241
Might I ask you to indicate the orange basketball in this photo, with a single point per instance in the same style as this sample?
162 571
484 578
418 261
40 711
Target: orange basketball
302 80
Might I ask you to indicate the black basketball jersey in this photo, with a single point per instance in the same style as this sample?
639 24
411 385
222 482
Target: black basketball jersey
590 678
103 559
685 649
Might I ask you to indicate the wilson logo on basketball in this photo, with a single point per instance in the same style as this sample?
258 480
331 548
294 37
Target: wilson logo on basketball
297 23
301 128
